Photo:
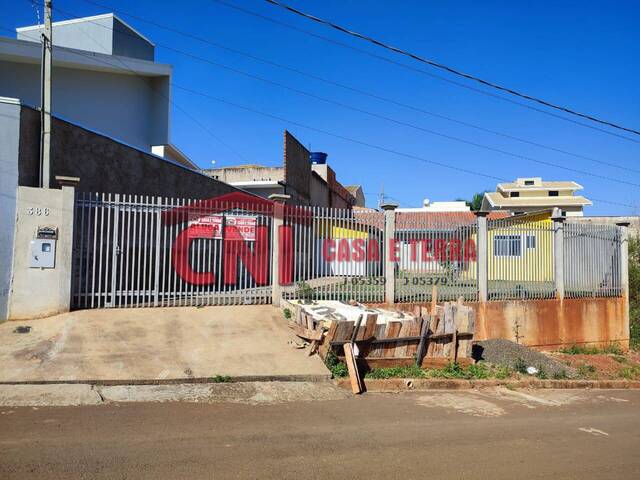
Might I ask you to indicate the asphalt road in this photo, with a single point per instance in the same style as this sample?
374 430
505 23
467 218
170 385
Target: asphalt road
474 435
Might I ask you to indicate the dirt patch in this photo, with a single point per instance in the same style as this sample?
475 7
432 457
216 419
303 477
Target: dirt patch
598 366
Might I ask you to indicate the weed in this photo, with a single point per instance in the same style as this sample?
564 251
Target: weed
338 369
396 372
502 372
611 348
542 373
586 370
560 375
520 366
478 370
221 379
306 292
630 373
287 313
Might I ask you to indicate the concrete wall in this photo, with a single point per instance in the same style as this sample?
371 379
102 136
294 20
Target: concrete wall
551 324
9 146
297 170
246 173
129 108
107 35
633 220
104 165
39 292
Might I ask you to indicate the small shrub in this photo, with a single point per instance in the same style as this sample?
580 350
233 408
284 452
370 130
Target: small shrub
542 373
520 366
478 370
561 375
613 349
306 292
338 369
287 313
221 379
502 372
586 370
630 372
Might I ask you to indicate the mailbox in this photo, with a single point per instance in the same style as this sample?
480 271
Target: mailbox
42 249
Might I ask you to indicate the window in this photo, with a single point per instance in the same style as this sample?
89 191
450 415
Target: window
531 241
507 246
515 194
553 193
529 182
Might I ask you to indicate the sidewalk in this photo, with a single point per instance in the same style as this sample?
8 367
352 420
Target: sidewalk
155 345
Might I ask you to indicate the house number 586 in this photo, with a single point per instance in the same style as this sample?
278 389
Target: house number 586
37 211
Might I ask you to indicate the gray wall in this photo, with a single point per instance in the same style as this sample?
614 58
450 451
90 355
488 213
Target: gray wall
9 135
128 108
37 292
106 35
632 220
104 165
128 44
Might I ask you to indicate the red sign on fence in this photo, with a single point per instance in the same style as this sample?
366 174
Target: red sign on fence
211 226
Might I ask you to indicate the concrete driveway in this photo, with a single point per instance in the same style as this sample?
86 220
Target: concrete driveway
154 344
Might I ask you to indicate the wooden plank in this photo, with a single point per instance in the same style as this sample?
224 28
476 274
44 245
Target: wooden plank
370 325
354 334
434 300
412 347
305 332
406 329
392 331
449 327
421 351
314 347
325 347
376 351
352 367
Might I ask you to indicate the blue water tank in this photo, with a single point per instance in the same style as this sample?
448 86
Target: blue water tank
319 158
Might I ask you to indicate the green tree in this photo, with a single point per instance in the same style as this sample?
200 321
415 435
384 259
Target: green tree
475 204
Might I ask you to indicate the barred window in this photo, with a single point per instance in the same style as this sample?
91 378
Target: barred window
531 241
507 246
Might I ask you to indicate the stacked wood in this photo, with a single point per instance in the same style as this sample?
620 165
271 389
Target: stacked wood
433 336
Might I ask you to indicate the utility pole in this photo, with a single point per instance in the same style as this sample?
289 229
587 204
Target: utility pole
45 99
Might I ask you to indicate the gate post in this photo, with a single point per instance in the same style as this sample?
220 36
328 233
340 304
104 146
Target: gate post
390 250
558 252
482 257
279 201
624 272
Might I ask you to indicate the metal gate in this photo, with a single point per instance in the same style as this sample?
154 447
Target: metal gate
142 251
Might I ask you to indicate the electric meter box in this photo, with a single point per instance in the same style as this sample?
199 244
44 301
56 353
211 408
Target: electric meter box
43 253
42 249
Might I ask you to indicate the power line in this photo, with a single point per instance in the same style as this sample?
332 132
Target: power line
308 127
354 89
360 142
419 70
398 122
451 70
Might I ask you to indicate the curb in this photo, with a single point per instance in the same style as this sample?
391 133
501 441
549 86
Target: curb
176 381
411 384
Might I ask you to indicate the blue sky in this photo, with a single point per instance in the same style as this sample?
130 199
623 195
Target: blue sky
580 54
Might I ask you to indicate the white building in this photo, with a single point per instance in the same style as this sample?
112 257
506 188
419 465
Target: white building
532 194
104 78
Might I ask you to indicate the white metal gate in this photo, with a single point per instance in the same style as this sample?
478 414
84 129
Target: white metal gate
142 251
